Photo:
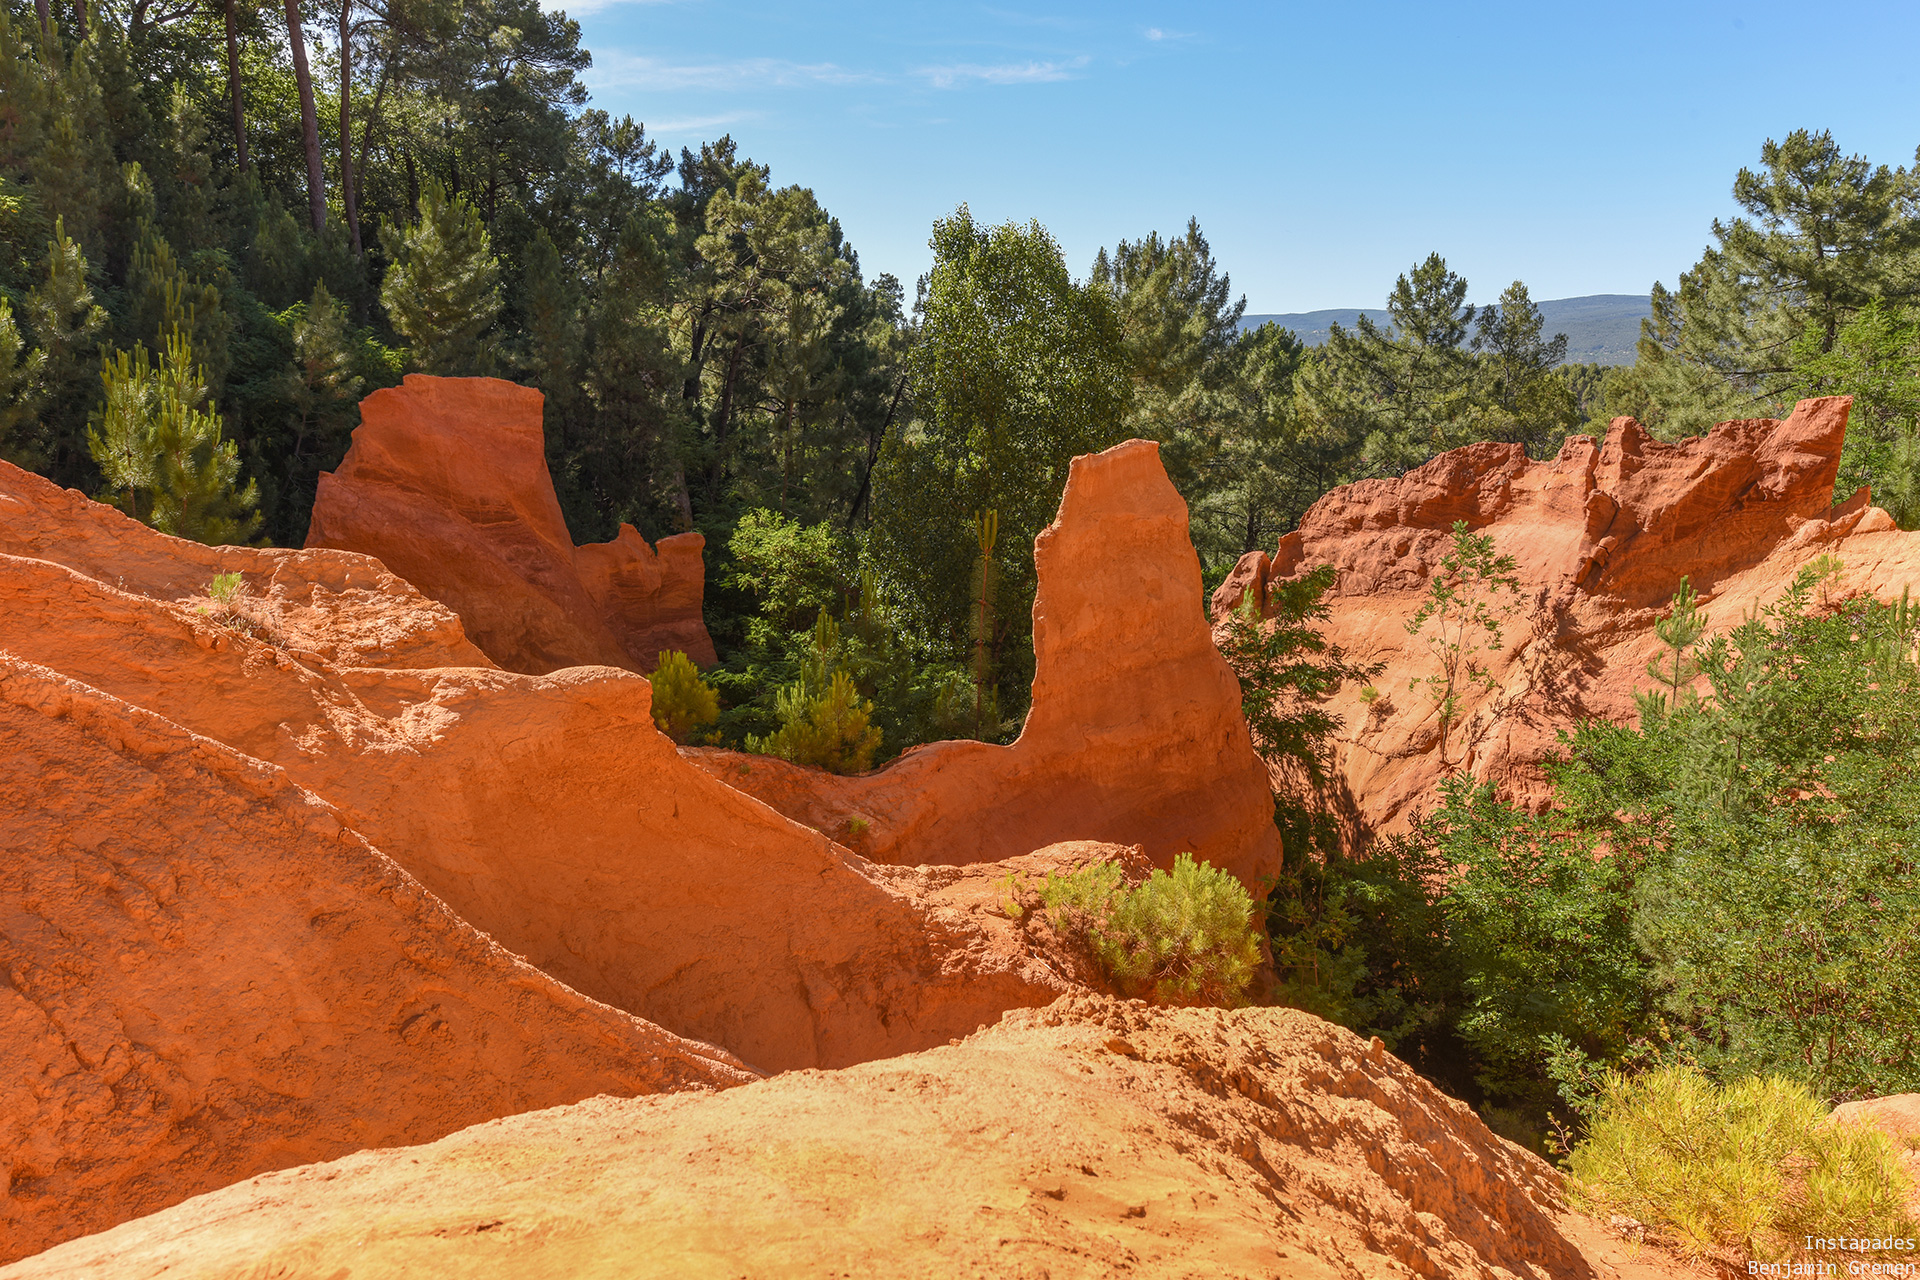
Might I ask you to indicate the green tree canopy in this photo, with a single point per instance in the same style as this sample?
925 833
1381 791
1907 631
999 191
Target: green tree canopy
443 290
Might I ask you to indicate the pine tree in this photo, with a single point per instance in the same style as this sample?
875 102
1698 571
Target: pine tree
161 452
164 297
64 323
1410 391
443 290
21 374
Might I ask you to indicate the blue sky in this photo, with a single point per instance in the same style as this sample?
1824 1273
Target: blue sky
1324 148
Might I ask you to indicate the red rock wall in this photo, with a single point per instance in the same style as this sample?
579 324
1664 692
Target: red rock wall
207 976
1602 535
548 812
1135 734
446 482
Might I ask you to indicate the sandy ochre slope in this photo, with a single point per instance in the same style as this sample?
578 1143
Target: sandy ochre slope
1093 1138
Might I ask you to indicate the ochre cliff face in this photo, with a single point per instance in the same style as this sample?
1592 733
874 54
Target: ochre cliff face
208 975
1602 535
267 900
1135 734
446 483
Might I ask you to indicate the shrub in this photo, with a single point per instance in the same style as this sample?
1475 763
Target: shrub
683 703
227 590
1746 1170
1185 937
824 727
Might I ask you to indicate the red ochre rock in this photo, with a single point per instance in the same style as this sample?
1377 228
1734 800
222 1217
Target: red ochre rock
208 975
446 483
548 811
1135 735
1602 535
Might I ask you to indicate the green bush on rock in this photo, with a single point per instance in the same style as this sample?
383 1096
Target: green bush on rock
683 703
1182 937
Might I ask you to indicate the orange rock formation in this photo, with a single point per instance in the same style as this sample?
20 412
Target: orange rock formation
1602 535
1135 735
549 812
1090 1139
446 482
207 976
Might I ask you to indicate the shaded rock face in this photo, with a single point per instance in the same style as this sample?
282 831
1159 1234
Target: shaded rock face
1135 735
208 975
1093 1138
446 482
1602 535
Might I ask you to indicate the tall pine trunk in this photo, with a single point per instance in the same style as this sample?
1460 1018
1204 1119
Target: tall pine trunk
80 18
309 119
45 15
349 201
233 84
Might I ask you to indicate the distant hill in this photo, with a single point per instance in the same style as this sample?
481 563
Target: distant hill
1601 328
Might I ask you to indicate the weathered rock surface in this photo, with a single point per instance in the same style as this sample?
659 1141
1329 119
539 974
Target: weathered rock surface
1135 735
1093 1138
550 813
335 607
208 976
446 482
1602 535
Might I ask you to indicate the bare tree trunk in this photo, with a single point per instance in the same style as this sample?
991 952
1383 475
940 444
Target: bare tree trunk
80 18
309 119
349 203
46 17
233 85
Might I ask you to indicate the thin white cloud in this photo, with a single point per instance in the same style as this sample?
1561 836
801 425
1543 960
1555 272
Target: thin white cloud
955 75
628 70
585 8
1161 34
699 124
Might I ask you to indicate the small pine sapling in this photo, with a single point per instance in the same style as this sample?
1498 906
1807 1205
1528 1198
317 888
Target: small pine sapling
1463 604
1680 630
683 703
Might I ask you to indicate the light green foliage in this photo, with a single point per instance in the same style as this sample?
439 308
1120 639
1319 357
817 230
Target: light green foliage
1182 937
1745 1170
1680 630
1016 369
443 290
1463 605
683 703
165 298
226 589
823 720
161 451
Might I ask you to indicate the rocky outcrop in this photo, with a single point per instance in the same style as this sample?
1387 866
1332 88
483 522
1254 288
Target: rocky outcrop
330 606
1135 735
207 975
446 483
1602 535
550 813
1090 1139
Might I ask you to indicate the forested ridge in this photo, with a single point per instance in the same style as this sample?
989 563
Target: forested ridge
223 224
